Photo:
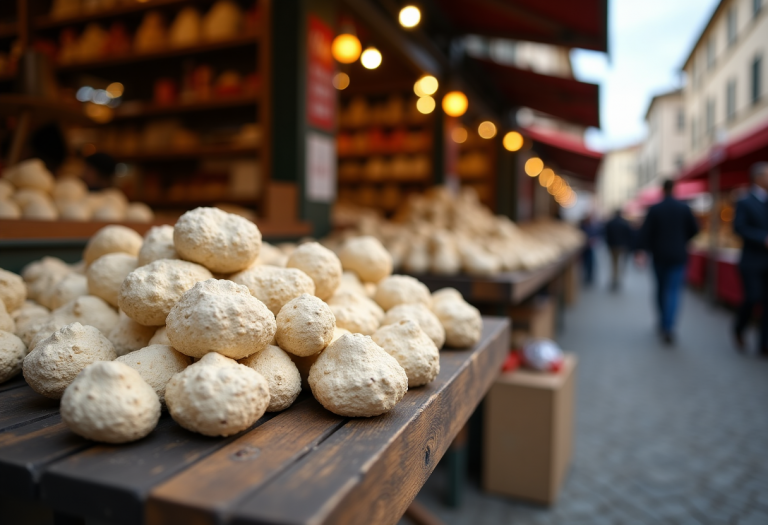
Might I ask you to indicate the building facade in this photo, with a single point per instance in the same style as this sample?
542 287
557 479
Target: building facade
663 152
617 179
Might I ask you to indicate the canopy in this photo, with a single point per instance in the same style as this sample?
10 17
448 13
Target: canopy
580 23
566 152
682 190
564 98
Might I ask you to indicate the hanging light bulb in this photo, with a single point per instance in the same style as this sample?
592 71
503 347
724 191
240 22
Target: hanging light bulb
341 81
533 166
371 58
459 135
513 141
346 48
410 16
426 85
547 177
487 129
455 103
426 105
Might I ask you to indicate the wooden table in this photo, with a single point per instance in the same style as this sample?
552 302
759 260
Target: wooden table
304 465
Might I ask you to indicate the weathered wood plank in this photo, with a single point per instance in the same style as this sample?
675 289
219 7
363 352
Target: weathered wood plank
111 482
370 470
27 450
206 492
21 406
14 382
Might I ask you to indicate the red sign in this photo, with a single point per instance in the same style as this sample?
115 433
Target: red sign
321 95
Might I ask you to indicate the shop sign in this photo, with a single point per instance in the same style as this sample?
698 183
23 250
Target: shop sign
321 167
321 95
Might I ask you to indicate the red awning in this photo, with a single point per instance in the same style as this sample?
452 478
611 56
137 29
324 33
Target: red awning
565 152
564 98
732 159
581 23
683 190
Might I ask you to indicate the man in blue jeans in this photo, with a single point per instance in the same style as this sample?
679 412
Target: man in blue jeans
666 231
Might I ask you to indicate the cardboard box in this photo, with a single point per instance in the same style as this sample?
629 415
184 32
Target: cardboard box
535 318
528 432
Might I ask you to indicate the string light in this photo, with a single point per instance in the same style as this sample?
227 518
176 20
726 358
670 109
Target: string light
426 85
459 135
455 104
341 81
547 177
371 58
410 16
533 166
426 105
346 48
487 129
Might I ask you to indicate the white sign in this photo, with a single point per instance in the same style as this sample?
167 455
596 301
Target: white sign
321 168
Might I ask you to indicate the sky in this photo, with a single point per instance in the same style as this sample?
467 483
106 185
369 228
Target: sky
648 42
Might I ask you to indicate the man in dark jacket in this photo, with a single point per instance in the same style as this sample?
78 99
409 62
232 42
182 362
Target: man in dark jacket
666 231
751 224
618 237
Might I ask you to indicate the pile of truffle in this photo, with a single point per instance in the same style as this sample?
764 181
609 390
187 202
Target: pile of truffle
29 191
446 235
206 320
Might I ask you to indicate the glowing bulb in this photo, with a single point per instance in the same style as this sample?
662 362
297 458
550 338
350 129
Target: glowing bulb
426 105
115 89
410 16
555 186
459 135
341 81
426 85
487 129
513 141
455 103
371 58
533 166
547 177
346 48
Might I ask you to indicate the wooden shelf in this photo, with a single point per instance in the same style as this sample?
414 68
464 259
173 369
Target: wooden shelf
134 58
421 126
420 182
48 22
354 156
196 203
192 154
152 110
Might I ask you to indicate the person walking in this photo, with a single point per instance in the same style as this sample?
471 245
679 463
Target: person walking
751 224
618 237
592 232
668 227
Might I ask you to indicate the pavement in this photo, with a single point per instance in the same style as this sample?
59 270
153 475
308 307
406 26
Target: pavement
664 435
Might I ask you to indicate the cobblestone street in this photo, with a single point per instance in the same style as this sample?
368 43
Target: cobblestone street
663 435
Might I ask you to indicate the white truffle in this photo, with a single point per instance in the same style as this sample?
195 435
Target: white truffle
12 352
12 290
139 212
40 210
111 403
56 361
74 211
356 313
87 310
128 335
220 241
305 326
108 213
149 292
401 289
26 196
462 322
322 266
355 377
158 244
69 189
28 319
422 315
412 348
446 294
107 273
271 255
112 239
281 374
275 286
304 364
156 364
9 209
217 396
6 189
220 316
367 257
350 282
45 266
70 287
7 324
31 174
160 337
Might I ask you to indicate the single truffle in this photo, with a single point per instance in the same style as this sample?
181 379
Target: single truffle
9 209
422 315
367 257
281 374
28 315
322 266
31 174
42 210
111 403
446 294
356 313
112 239
70 189
156 364
107 273
86 309
160 337
401 289
462 322
222 242
149 292
6 189
12 352
139 212
217 396
275 286
304 364
220 316
7 324
74 211
158 244
305 326
355 377
56 361
12 290
69 288
412 348
128 335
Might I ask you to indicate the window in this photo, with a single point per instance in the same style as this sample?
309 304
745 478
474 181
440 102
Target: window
680 120
711 52
710 118
757 5
756 84
731 26
730 100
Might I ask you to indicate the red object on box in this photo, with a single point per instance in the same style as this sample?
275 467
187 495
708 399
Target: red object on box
512 362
